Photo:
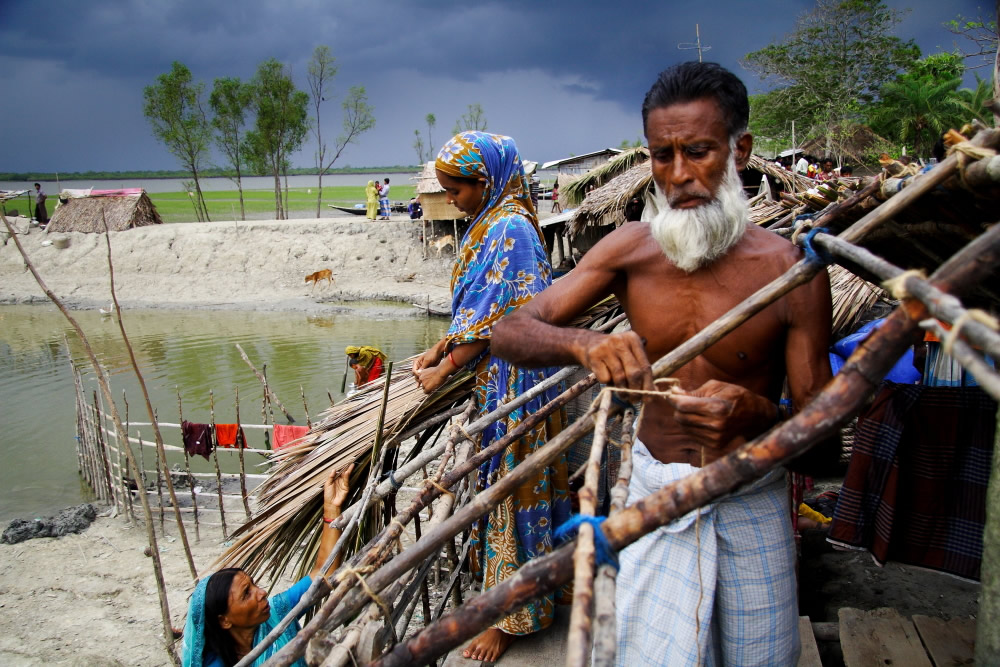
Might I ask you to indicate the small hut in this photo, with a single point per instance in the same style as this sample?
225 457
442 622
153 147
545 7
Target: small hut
87 210
433 199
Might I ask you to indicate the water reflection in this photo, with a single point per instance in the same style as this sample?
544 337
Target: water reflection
193 352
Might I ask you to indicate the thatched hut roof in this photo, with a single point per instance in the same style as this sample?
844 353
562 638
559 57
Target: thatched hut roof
852 143
88 214
606 204
427 181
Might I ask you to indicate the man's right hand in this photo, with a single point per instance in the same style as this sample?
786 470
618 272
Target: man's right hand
619 359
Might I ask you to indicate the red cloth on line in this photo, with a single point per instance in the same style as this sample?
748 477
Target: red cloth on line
283 435
225 435
197 438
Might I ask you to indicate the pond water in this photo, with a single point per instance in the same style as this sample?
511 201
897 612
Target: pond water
190 351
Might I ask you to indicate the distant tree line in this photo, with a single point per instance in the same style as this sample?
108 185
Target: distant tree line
256 125
210 172
841 71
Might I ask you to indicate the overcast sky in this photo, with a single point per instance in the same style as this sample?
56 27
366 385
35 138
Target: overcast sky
560 77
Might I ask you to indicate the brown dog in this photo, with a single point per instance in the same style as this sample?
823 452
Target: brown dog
324 274
443 242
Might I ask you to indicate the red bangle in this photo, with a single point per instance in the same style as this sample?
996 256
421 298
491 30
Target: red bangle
452 360
325 520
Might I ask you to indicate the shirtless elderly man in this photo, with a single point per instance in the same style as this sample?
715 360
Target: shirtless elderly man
692 258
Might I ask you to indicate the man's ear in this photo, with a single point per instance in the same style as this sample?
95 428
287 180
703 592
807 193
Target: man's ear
224 622
743 150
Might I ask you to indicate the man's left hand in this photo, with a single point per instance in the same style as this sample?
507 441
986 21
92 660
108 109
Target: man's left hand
716 413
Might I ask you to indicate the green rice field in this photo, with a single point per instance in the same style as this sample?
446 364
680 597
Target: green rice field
225 204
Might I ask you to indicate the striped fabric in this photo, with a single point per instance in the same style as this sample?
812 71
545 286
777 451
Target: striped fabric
915 490
744 612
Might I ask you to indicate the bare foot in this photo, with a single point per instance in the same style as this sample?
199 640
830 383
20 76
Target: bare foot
488 646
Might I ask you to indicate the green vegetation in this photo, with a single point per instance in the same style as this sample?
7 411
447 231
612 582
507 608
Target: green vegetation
225 204
842 75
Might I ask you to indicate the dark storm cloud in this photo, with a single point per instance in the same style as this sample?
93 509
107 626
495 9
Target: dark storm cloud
560 76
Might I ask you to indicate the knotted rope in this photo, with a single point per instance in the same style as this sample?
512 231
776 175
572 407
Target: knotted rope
604 554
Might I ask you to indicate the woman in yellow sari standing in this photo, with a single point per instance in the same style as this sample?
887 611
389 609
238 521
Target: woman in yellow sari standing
502 264
371 199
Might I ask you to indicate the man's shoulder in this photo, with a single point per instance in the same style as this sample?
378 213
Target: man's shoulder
762 244
629 244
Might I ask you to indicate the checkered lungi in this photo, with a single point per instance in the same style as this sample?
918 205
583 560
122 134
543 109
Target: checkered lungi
747 612
383 207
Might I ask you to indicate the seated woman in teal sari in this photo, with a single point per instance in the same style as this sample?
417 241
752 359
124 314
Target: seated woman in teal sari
228 614
501 265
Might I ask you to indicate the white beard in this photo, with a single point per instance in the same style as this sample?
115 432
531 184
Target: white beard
694 237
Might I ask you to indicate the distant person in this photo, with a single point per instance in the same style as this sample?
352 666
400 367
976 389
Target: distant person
367 362
633 209
383 200
556 206
533 187
41 213
847 170
414 208
826 170
802 166
371 200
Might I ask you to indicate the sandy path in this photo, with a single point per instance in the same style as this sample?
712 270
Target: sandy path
258 265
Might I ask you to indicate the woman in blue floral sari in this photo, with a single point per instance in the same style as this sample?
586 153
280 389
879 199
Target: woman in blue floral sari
501 265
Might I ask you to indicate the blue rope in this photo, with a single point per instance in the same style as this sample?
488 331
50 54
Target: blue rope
605 554
815 254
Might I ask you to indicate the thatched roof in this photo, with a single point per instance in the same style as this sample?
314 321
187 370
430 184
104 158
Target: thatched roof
87 214
575 191
427 181
853 143
606 205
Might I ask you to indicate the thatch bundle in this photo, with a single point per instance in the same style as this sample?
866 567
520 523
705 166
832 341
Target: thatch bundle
853 297
88 214
790 181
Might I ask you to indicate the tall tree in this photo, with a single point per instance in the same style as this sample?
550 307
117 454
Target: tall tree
833 63
431 120
358 116
473 119
174 108
981 35
230 100
280 127
418 146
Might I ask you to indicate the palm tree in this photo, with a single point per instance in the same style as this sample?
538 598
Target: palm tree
972 101
917 110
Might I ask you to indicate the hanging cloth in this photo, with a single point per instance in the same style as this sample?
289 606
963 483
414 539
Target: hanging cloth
197 438
228 435
284 435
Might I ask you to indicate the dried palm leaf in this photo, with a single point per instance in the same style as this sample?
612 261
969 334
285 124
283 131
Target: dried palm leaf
852 298
290 503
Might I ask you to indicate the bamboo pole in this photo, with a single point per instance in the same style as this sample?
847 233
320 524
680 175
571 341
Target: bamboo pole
240 445
106 390
121 469
187 469
157 436
159 493
835 404
942 305
580 620
263 380
605 629
215 460
305 406
267 398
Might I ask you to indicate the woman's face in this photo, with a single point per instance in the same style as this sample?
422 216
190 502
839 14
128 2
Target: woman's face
248 606
466 194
